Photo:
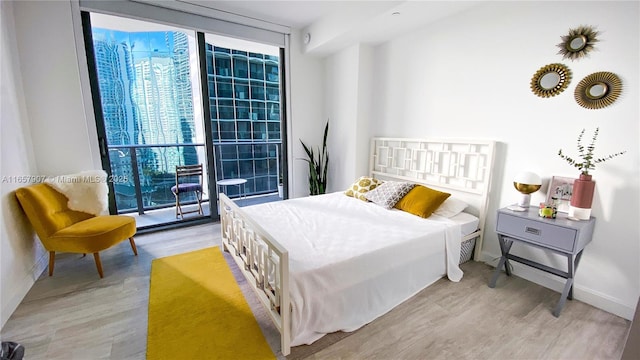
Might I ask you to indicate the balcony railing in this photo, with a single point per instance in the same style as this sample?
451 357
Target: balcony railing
144 174
257 162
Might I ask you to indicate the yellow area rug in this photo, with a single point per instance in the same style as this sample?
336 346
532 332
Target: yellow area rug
197 311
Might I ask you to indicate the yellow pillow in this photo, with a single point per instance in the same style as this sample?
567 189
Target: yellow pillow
361 186
422 201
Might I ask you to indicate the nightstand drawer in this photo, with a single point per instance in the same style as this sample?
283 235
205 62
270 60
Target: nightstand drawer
538 232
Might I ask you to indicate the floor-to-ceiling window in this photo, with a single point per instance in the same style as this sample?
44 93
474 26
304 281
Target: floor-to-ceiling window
244 97
147 87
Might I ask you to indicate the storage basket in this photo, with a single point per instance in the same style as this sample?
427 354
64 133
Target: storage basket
466 250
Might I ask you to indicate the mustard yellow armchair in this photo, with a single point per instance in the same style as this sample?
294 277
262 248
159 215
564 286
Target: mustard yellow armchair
64 230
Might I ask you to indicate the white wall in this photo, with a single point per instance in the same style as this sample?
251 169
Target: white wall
51 87
308 113
342 108
469 76
20 255
348 102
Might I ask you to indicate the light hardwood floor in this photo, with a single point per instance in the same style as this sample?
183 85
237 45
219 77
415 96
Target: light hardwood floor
76 315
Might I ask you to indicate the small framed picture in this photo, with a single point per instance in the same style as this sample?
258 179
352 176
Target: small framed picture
559 193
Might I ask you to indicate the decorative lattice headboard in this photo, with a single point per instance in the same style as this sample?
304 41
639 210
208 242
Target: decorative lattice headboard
460 167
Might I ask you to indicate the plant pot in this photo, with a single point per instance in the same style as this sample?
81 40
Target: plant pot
280 191
582 197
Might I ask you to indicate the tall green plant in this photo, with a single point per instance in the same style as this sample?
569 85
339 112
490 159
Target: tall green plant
318 163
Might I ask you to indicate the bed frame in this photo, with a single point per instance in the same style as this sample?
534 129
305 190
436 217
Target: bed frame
460 167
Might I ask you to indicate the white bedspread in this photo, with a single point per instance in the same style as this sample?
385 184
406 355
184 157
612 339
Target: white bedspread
351 261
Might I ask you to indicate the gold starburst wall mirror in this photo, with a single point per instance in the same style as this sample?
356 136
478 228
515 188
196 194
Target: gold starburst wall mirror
598 90
578 43
550 80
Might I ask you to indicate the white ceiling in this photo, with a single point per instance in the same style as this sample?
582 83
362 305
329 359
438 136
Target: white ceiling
379 25
294 14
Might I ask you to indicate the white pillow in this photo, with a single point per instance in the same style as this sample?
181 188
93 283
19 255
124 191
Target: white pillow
451 207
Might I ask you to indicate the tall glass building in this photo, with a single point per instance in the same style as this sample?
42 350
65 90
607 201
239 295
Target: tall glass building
244 95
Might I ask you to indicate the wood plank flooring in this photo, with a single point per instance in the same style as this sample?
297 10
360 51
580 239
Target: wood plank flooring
76 315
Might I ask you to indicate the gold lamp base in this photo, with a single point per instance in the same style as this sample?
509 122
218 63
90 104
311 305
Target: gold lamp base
525 191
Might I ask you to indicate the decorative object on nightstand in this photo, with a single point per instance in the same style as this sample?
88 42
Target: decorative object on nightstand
560 235
559 192
584 186
578 43
526 183
548 211
582 198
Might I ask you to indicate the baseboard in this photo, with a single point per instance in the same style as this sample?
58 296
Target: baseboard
586 295
25 285
40 265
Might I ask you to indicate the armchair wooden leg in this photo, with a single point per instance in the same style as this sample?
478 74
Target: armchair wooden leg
52 259
133 246
96 257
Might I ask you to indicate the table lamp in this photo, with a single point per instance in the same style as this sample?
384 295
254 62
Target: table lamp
526 183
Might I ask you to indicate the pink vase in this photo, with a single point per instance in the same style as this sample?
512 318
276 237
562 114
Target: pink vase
582 197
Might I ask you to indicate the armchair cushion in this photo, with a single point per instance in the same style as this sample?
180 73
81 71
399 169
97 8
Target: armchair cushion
94 234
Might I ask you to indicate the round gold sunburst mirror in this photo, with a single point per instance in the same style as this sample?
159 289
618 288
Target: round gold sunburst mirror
598 90
550 80
578 43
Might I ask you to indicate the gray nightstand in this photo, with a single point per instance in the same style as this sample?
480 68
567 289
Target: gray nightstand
561 235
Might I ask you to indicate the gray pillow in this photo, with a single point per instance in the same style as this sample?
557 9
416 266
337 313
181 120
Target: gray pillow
389 193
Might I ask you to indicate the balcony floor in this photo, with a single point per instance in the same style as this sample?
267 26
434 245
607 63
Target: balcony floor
167 216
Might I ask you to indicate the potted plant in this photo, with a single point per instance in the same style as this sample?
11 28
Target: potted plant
318 162
280 187
584 186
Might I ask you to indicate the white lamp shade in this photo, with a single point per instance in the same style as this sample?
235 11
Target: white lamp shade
528 178
526 183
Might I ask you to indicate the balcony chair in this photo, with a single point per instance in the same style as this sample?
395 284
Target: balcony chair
61 229
188 179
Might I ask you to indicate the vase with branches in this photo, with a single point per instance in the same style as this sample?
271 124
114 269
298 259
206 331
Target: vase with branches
589 161
318 162
583 187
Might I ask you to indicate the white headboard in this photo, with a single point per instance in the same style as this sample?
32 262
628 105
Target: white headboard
460 167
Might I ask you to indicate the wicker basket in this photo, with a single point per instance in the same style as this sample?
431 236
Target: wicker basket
466 250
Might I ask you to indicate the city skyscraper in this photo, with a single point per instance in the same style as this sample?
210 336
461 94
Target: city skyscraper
244 98
147 99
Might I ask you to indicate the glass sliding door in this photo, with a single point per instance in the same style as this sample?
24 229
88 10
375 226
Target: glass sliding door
244 90
149 115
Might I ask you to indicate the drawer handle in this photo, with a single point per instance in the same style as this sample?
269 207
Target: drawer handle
531 230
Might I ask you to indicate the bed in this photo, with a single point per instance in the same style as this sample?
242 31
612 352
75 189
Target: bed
331 262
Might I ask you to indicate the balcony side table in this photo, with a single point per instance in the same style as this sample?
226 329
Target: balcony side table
239 182
560 235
